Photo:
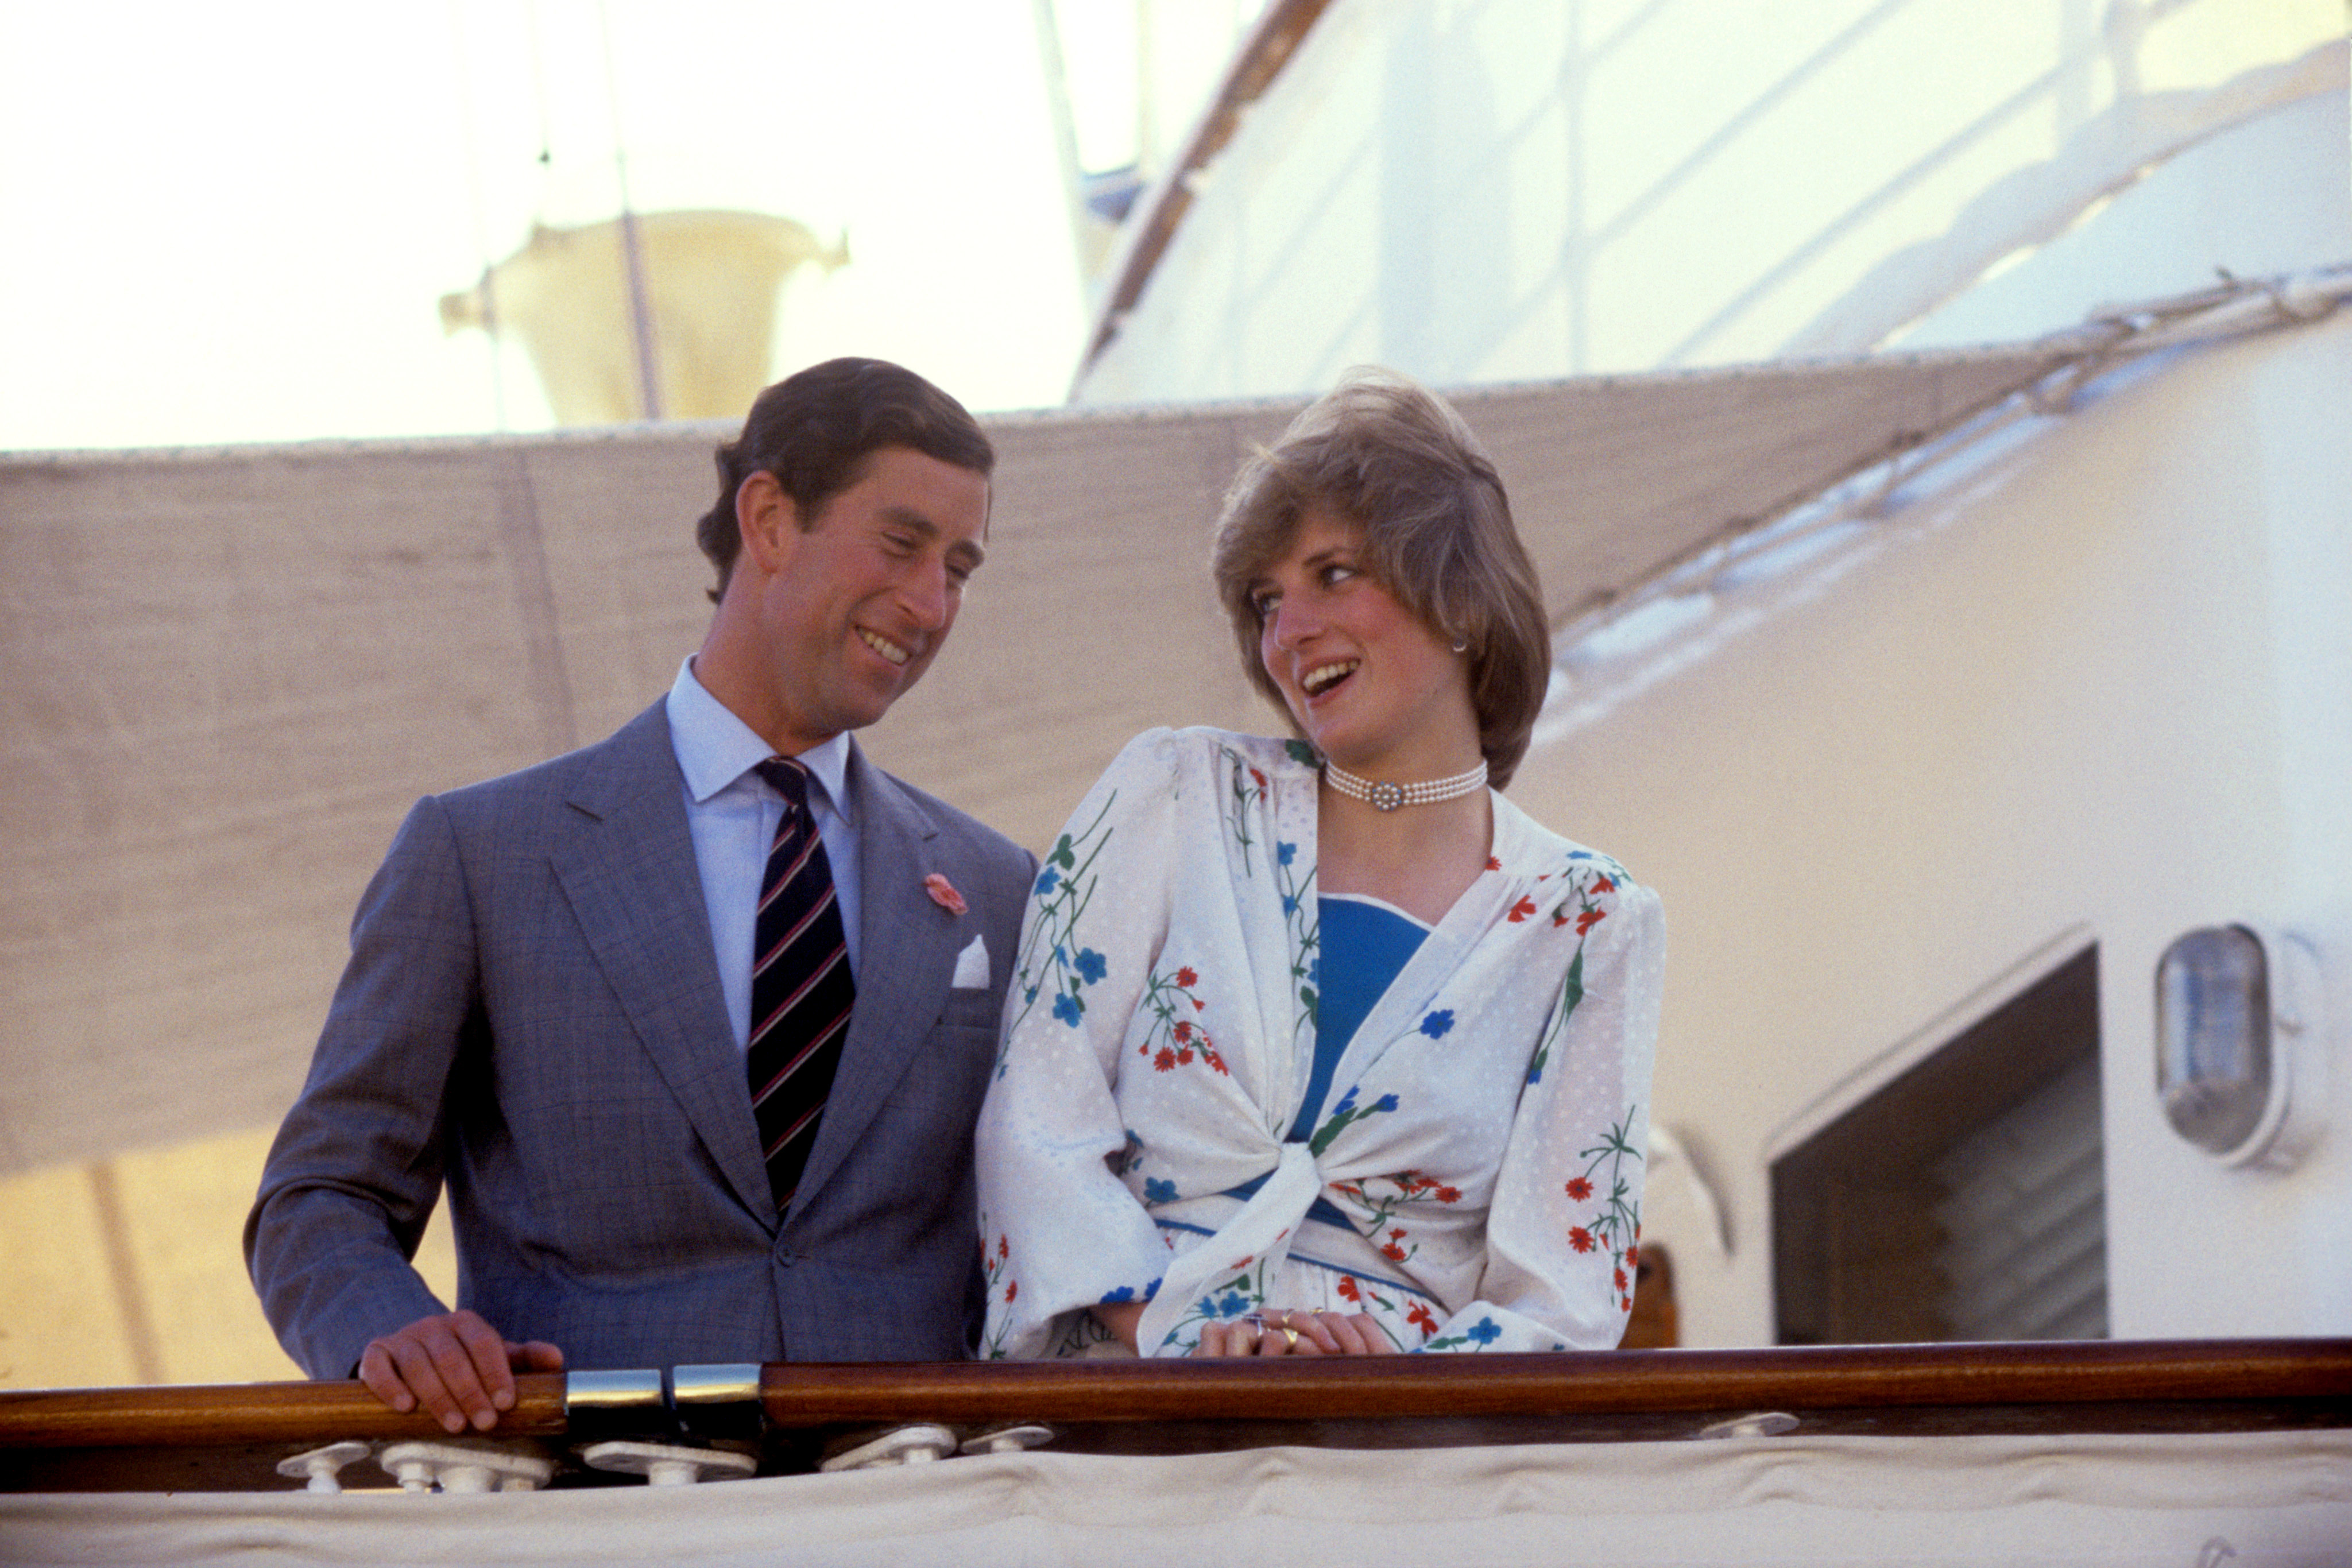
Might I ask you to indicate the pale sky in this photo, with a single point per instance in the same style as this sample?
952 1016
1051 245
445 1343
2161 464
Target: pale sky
233 222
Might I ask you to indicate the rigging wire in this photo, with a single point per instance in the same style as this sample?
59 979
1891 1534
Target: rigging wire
641 322
539 97
476 201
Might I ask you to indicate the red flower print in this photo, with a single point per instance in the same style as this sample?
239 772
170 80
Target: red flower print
1213 1060
1004 1246
1523 908
1392 1253
1185 1056
1625 1303
1418 1316
1604 885
1165 1061
1198 1006
1186 979
1619 1275
1184 1030
1494 864
1633 1256
1259 777
1578 1188
1012 1289
1589 919
1580 1239
1449 1194
1347 1289
1398 1234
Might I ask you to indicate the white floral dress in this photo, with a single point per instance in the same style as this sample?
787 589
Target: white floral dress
1487 1122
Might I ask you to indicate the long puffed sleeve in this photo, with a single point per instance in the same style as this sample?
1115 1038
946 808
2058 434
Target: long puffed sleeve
1061 1230
1562 1231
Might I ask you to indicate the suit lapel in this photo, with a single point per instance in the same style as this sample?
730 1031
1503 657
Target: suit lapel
906 958
629 873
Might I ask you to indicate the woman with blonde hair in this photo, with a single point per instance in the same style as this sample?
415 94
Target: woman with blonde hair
1320 1046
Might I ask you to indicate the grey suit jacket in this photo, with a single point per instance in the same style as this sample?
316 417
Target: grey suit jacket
532 1014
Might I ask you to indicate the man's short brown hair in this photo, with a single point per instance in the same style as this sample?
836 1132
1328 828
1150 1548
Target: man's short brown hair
815 430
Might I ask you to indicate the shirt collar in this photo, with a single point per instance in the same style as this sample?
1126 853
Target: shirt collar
715 747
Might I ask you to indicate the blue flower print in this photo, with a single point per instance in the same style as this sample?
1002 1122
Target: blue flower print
1285 853
1157 1191
1435 1025
1289 905
1344 1113
1067 1008
1480 1334
1124 1294
1030 994
1046 879
1233 1304
1314 973
1092 966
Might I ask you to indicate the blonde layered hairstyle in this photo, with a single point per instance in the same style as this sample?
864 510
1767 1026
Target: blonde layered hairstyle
1395 460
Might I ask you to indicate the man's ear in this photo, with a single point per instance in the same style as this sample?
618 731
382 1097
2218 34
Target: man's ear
767 520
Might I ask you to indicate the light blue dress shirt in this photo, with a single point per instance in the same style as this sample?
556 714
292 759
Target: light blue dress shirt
733 814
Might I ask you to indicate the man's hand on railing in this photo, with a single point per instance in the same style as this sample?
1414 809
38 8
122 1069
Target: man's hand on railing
456 1365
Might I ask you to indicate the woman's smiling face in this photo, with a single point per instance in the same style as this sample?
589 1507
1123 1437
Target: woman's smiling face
1368 684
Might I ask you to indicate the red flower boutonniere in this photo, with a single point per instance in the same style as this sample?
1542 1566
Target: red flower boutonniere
944 894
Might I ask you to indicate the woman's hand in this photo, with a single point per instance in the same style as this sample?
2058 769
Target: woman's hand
1120 1318
1283 1333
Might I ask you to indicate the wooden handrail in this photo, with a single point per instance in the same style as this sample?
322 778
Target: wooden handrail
809 1396
1841 1378
223 1415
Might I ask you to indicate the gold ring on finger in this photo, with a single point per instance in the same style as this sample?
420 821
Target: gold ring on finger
1292 1333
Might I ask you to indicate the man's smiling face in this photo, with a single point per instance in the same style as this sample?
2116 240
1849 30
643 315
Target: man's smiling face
854 608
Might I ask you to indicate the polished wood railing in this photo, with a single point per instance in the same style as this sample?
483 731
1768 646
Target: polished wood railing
233 1437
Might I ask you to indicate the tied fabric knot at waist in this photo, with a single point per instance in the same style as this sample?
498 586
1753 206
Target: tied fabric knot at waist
1250 1245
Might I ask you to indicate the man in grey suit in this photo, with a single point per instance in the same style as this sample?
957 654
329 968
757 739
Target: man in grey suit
549 997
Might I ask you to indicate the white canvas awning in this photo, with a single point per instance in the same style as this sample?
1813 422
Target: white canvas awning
2082 1499
228 673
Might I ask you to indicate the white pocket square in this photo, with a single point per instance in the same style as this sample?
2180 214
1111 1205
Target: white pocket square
972 966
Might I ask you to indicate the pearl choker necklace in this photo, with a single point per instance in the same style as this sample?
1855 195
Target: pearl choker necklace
1389 797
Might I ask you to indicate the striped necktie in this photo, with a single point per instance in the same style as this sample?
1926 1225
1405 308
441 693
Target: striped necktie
801 988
